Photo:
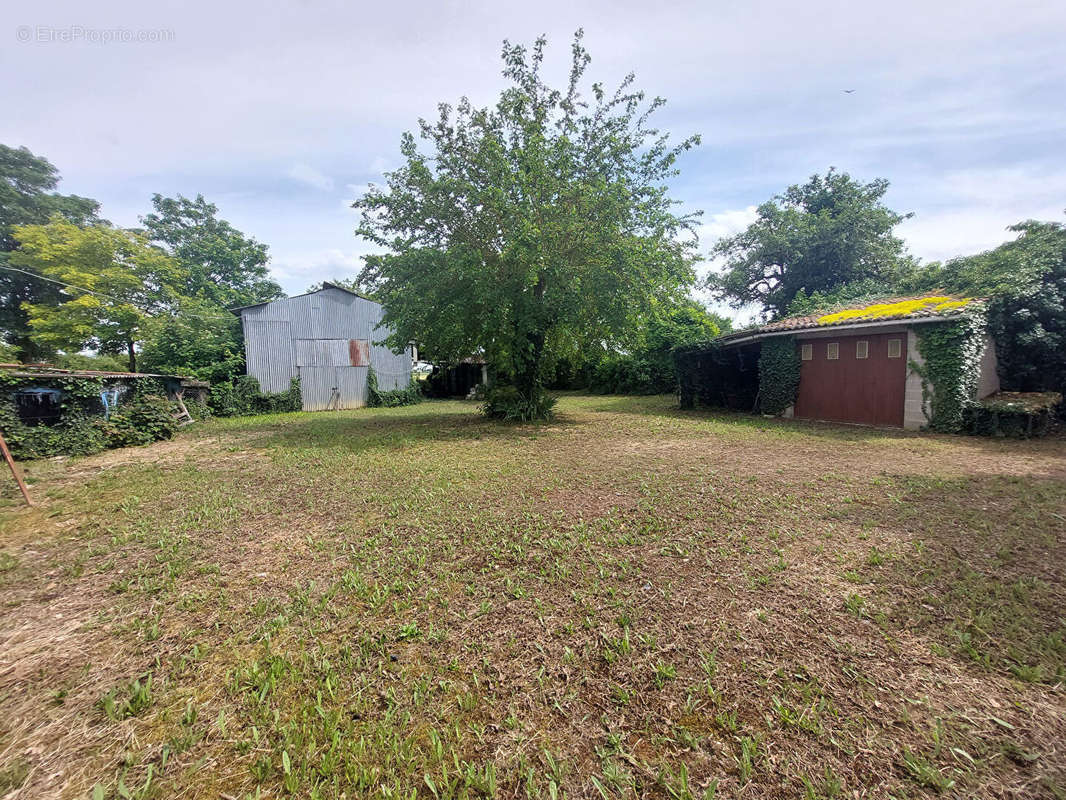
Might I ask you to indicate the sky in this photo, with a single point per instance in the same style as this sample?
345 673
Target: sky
281 114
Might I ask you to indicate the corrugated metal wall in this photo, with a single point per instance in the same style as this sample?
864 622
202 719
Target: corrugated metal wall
311 336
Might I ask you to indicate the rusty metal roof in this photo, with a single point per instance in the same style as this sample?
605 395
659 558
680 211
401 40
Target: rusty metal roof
48 371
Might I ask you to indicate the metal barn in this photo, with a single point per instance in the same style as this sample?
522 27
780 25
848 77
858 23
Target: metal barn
326 339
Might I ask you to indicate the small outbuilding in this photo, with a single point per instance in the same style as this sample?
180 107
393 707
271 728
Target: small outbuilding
910 363
329 339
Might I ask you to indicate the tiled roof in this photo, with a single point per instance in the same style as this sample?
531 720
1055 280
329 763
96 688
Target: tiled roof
887 311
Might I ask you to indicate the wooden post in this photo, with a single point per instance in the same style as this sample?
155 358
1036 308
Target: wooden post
11 463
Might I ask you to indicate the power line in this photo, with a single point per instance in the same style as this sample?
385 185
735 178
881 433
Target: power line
101 294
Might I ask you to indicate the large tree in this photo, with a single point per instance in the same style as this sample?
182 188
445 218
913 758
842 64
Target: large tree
1025 281
816 237
221 264
532 224
27 197
112 283
220 268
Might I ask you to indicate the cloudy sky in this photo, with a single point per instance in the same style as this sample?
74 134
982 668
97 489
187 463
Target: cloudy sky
280 116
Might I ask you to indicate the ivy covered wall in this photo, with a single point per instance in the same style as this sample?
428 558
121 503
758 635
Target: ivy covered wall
74 420
779 374
951 370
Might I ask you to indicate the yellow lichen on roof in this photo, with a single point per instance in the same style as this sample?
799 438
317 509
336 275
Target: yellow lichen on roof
901 308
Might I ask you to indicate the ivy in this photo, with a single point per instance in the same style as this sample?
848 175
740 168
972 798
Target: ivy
244 397
952 353
779 374
144 416
375 398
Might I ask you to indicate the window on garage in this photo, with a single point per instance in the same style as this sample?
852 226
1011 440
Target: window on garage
806 352
862 349
895 348
832 351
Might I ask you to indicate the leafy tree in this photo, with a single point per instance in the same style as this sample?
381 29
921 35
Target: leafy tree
27 198
126 278
351 284
529 226
220 268
220 264
648 368
827 233
198 339
1025 281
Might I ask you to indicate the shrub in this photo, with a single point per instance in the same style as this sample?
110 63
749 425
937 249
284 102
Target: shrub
375 398
628 374
145 419
507 402
243 397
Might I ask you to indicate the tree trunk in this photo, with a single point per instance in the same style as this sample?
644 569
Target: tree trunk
133 356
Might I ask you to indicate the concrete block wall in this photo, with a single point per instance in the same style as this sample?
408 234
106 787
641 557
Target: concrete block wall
914 406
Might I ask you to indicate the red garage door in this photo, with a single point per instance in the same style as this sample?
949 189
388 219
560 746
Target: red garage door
853 379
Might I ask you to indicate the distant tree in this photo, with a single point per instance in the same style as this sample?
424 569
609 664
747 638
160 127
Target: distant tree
199 339
351 284
220 268
221 264
529 225
27 198
128 281
1025 281
816 237
647 367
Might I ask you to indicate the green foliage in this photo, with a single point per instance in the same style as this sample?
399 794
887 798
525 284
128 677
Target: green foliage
717 376
952 368
144 415
1026 282
649 368
221 266
244 397
145 419
1012 415
840 297
130 280
375 398
825 234
779 374
509 403
532 229
80 361
26 198
201 340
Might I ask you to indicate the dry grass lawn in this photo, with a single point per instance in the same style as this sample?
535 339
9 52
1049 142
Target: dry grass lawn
629 601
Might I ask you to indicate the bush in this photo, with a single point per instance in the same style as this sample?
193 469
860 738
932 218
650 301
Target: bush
243 397
627 374
375 398
507 402
145 419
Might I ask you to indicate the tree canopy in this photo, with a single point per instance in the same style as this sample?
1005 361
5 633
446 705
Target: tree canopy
1025 281
815 237
219 268
531 225
220 264
27 197
122 282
